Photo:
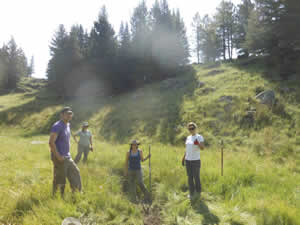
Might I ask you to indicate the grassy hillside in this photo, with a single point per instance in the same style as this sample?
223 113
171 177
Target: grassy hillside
262 162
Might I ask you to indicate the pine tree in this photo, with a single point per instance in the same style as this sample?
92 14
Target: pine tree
17 64
102 39
31 67
209 42
140 31
243 16
4 60
225 18
196 24
65 52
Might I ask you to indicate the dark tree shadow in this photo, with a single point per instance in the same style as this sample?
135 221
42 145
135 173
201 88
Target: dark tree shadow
159 111
208 217
83 109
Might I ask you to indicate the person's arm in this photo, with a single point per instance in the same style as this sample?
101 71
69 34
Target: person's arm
201 145
74 136
201 142
91 142
126 164
142 156
183 159
52 139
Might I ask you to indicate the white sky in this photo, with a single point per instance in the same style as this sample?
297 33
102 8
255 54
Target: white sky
33 22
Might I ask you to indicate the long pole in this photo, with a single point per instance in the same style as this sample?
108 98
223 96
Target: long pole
150 171
222 154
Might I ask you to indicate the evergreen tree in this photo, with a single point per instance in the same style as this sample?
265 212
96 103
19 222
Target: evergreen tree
102 40
225 18
140 30
17 64
171 49
196 25
65 52
31 67
82 39
4 60
243 16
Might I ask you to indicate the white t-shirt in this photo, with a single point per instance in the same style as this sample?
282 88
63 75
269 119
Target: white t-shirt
192 150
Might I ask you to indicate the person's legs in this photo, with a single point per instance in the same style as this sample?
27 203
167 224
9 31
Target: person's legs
59 178
132 184
142 185
86 153
79 153
189 172
73 175
196 165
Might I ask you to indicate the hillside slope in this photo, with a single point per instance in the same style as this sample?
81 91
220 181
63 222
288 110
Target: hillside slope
262 162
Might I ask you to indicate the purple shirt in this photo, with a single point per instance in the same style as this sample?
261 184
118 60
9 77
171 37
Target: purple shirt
63 138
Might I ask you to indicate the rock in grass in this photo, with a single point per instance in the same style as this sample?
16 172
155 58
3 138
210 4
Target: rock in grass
215 72
201 84
266 97
225 98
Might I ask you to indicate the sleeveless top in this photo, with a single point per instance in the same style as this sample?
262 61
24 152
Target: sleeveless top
134 160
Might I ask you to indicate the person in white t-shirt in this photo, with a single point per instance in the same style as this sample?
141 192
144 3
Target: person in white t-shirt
191 159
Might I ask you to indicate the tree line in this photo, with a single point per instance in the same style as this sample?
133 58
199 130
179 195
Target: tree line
153 45
150 47
251 28
13 65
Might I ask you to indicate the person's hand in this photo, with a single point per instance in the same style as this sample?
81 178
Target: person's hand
91 148
60 158
149 156
182 162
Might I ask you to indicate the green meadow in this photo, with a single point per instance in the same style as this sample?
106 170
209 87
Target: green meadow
261 182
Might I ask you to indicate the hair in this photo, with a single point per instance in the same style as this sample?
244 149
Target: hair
192 124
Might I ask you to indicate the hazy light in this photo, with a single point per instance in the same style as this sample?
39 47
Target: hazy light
33 22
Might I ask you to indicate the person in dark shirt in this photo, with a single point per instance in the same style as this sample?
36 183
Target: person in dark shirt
64 166
133 170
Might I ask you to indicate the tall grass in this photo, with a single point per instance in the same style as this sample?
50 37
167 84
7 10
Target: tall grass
261 162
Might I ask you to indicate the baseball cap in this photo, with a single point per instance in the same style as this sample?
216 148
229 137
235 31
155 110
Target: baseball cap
85 124
67 109
135 142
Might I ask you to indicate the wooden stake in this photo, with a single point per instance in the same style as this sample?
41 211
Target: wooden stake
222 147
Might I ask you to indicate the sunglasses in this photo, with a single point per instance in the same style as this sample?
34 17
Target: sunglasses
191 128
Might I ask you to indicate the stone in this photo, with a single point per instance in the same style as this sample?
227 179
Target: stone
201 84
208 90
266 97
286 90
173 83
227 108
215 72
225 98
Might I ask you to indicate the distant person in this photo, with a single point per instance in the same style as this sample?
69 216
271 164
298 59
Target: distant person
64 166
191 160
85 143
133 170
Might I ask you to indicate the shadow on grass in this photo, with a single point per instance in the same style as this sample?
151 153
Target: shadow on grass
154 112
83 109
208 217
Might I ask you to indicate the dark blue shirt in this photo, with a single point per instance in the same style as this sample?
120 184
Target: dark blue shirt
134 160
63 138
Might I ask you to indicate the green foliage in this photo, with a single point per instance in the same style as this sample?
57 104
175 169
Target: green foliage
13 65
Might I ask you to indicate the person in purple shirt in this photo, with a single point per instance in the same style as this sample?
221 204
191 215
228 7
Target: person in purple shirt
64 166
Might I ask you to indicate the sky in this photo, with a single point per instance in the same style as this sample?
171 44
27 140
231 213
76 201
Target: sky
32 23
